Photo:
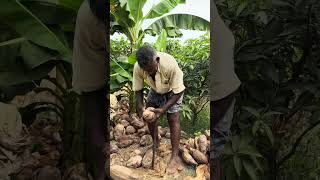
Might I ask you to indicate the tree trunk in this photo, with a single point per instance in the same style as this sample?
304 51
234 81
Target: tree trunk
73 132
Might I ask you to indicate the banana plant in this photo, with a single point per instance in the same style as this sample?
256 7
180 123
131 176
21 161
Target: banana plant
128 19
35 37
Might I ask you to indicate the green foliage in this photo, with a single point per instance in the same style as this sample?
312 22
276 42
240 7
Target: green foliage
276 56
127 17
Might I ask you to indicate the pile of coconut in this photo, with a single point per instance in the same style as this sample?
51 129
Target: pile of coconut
131 131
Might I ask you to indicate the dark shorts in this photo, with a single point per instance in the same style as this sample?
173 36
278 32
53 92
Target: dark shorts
220 133
161 99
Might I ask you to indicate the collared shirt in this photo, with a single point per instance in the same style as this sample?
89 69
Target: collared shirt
89 52
169 77
224 80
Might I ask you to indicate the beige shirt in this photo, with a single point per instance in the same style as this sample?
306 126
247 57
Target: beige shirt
90 52
224 80
168 77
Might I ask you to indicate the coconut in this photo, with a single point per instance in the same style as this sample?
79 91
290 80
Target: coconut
162 131
135 161
199 156
187 157
119 131
202 143
143 131
125 123
190 143
137 123
146 140
124 142
111 135
207 134
149 115
113 148
130 130
147 159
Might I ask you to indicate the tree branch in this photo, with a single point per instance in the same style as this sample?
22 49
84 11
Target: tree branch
202 107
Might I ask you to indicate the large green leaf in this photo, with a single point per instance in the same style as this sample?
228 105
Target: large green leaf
174 22
135 7
72 4
51 13
250 150
163 7
31 28
237 164
161 42
20 75
33 55
249 169
122 14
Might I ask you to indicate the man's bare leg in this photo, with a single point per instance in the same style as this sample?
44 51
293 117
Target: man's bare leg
175 131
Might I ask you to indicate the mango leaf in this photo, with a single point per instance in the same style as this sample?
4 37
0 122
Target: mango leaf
163 7
249 150
228 149
172 23
257 163
255 127
269 133
241 7
252 111
235 143
161 42
31 28
237 164
249 169
135 7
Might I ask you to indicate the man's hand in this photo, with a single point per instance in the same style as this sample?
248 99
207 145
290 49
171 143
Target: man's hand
158 112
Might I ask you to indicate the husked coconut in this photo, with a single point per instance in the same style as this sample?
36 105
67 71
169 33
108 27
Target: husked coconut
113 147
137 123
135 161
207 134
149 115
146 140
147 159
190 143
203 171
125 123
124 141
168 135
203 143
187 157
196 144
119 131
162 131
130 130
111 135
143 131
199 156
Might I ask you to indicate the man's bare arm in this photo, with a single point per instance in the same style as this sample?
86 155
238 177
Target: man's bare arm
219 108
139 100
174 98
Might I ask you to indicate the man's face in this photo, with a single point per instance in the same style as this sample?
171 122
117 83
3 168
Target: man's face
152 67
